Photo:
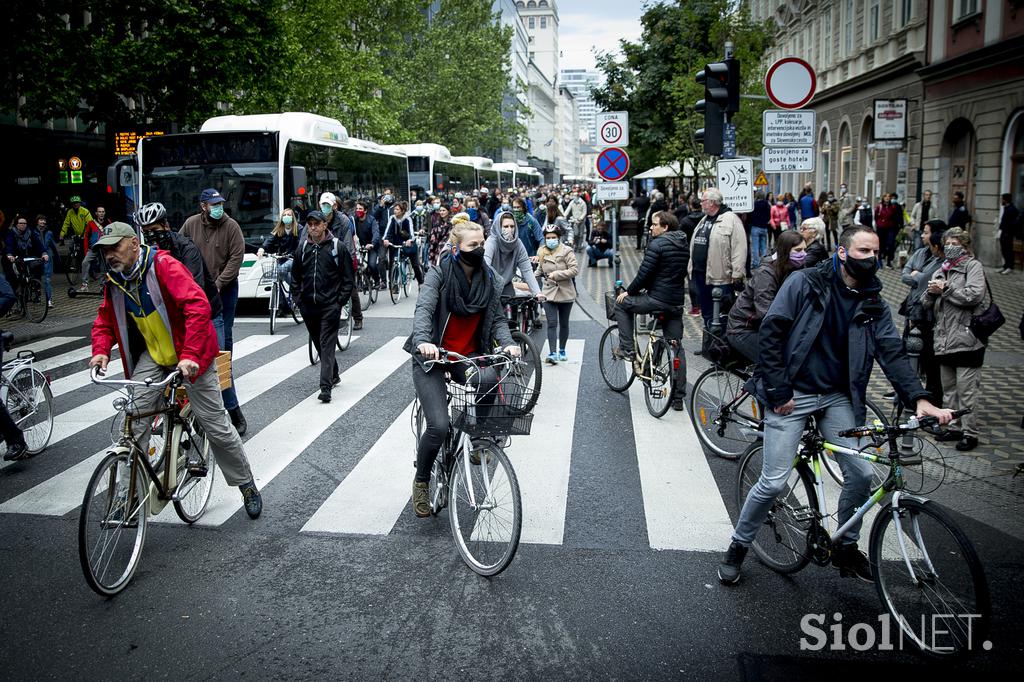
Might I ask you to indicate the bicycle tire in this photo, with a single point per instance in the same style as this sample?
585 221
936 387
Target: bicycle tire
314 354
724 435
662 358
35 300
790 514
374 290
365 284
616 372
29 401
74 268
274 301
109 505
393 285
293 305
830 461
934 588
406 276
528 373
345 326
486 542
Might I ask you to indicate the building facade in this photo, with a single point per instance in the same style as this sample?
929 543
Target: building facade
541 20
508 15
567 140
580 82
543 123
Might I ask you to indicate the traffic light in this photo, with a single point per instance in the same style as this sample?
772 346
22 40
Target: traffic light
711 134
721 81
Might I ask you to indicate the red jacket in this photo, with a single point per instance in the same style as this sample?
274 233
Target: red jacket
885 216
187 309
93 231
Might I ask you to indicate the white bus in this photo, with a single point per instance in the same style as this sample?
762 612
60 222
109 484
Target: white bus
261 164
506 175
433 170
528 178
486 174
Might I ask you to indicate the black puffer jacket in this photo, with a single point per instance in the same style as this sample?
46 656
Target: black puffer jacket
816 253
663 271
323 275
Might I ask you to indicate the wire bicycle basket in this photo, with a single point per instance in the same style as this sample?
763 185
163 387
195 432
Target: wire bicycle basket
490 411
270 267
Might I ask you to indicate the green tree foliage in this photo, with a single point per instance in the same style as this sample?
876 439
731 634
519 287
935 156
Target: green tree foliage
655 78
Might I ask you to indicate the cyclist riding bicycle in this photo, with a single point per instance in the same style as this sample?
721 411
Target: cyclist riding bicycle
15 439
75 220
817 344
505 252
399 236
282 239
658 287
368 235
24 242
160 320
458 309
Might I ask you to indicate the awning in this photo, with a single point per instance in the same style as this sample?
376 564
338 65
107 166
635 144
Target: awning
669 171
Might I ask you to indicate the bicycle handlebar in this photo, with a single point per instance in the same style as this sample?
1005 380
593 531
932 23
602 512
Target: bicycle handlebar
96 375
912 424
448 355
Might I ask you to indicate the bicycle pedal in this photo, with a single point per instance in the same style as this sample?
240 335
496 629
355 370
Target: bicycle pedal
197 469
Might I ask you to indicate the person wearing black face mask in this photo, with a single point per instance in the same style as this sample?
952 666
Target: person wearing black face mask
458 310
816 346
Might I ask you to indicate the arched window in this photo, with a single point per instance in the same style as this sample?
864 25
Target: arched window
542 3
824 158
868 155
845 156
531 4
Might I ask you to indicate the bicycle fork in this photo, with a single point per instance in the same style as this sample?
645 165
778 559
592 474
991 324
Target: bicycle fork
897 519
467 449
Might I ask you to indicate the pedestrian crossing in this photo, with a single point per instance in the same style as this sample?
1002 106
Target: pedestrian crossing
682 504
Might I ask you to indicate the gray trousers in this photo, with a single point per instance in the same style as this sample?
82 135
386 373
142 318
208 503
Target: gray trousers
90 256
208 406
960 391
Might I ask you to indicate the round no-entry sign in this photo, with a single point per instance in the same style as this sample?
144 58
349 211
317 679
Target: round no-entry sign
790 83
613 164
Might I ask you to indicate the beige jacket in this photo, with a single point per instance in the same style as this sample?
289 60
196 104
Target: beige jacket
963 297
727 249
557 267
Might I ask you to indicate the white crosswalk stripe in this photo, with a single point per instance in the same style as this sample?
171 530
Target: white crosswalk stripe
40 345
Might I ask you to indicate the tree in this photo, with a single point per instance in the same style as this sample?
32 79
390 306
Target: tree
655 78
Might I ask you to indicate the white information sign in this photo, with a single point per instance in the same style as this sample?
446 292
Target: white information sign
612 191
612 129
890 119
788 128
736 183
788 159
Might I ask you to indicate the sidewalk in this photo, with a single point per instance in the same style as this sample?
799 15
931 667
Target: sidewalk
67 313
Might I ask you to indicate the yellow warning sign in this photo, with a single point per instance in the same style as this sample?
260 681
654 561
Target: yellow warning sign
761 181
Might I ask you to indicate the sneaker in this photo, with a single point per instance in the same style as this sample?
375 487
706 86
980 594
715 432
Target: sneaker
562 357
238 420
15 452
381 286
950 436
421 499
357 325
552 359
325 395
252 498
889 395
695 311
677 405
49 304
967 443
1005 271
729 569
852 563
84 287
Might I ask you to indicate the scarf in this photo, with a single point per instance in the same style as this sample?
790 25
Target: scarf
947 265
464 297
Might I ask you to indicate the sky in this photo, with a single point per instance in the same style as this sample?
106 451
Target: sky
586 24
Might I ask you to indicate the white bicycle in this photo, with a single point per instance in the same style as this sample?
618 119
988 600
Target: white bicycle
25 392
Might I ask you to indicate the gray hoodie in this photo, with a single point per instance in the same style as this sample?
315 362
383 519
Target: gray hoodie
506 257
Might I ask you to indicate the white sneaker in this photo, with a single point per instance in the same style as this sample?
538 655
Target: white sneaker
49 304
84 287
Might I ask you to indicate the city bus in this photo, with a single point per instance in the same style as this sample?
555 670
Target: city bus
486 175
261 164
506 175
432 170
528 177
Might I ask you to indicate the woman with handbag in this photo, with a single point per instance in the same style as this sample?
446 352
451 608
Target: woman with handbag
955 295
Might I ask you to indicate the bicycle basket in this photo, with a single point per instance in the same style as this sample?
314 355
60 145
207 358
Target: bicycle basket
716 348
493 411
609 304
269 275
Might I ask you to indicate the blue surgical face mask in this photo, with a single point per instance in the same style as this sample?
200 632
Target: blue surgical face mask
326 208
506 207
217 212
473 213
552 244
287 220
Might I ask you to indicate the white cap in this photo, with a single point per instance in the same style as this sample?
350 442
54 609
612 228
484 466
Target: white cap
328 198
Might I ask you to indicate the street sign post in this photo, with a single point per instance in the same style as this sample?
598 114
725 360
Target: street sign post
612 191
788 128
736 183
613 164
790 83
788 159
612 129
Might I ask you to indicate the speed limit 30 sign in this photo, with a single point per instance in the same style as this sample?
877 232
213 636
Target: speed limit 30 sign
612 129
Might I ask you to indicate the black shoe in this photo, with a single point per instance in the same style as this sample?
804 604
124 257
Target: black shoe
729 569
325 395
852 563
889 395
238 419
950 436
15 452
677 405
253 499
357 325
967 443
335 381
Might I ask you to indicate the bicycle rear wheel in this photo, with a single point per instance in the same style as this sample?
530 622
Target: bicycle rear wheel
35 300
929 578
781 541
73 266
345 327
112 524
194 492
365 285
487 524
275 295
528 373
394 283
30 404
658 389
617 372
726 418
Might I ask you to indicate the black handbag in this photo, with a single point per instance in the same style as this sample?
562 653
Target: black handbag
988 322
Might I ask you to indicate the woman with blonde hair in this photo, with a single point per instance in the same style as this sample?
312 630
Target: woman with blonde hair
284 238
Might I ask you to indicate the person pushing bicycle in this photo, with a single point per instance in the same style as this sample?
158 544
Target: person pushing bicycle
817 344
160 319
459 310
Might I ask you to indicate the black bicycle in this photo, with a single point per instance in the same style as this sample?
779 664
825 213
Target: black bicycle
528 372
30 301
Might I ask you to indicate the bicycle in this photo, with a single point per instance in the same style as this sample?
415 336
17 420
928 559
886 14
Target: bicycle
399 275
472 474
25 392
73 263
344 333
529 373
30 301
918 572
128 486
279 291
365 286
655 366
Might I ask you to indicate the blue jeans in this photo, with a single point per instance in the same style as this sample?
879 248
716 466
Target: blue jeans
48 278
781 443
223 324
595 254
758 245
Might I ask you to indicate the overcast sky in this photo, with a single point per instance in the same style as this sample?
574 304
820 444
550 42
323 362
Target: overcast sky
586 24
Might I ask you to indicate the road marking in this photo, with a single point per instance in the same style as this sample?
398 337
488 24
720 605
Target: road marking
372 497
72 356
63 493
39 345
682 503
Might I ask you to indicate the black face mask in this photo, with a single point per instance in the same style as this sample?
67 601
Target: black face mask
158 238
472 258
861 269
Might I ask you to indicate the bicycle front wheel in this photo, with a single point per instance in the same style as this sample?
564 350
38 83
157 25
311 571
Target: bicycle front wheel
929 578
275 295
407 277
35 301
726 418
617 372
528 372
658 389
485 511
74 268
112 523
345 327
30 404
394 283
194 492
781 541
365 286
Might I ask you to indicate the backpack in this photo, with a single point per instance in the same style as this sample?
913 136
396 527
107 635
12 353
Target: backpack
334 250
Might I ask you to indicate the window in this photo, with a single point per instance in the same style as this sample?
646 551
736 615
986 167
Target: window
543 22
826 38
845 155
874 20
848 28
964 8
531 23
906 12
825 156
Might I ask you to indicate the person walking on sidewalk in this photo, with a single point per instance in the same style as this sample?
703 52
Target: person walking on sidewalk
718 254
1011 228
919 270
556 263
219 238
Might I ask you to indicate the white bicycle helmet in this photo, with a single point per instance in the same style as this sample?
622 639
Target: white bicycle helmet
151 213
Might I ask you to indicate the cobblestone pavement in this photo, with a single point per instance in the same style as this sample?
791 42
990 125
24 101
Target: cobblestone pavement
67 313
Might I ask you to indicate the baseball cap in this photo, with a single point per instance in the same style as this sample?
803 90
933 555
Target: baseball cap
211 196
75 199
484 190
114 233
328 198
316 215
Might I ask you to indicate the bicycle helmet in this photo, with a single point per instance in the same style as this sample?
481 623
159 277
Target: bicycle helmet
151 213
